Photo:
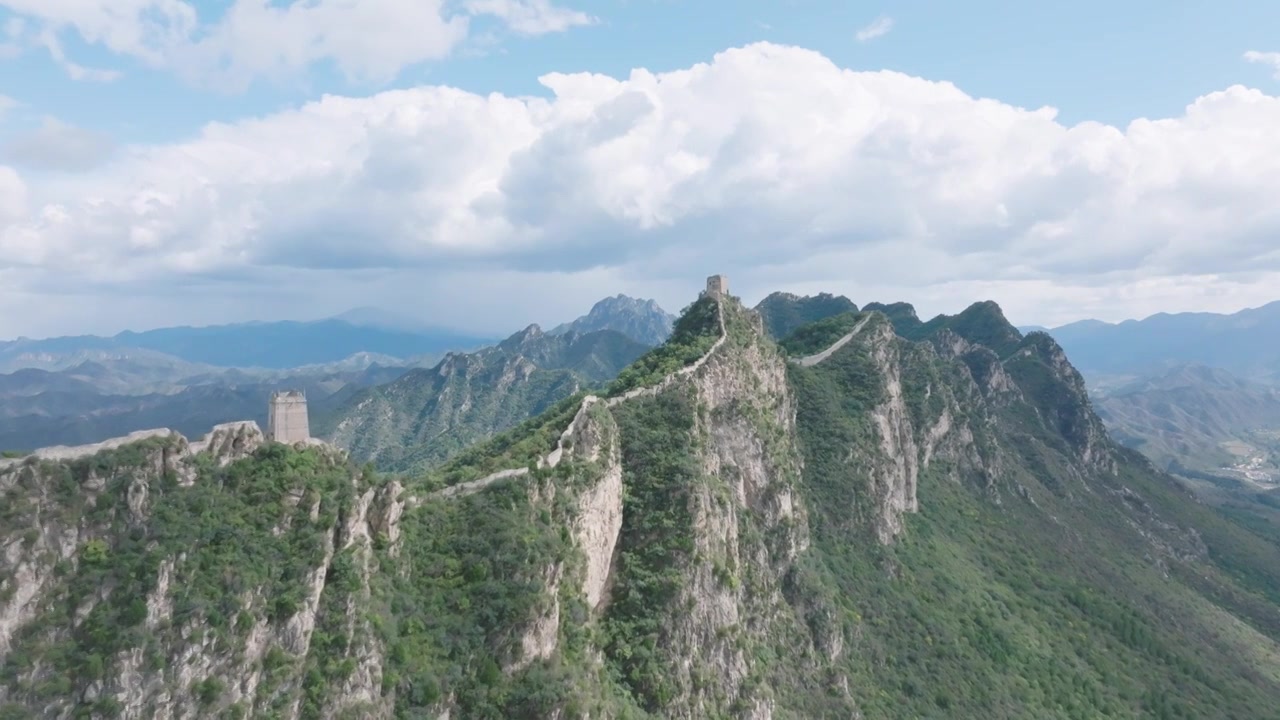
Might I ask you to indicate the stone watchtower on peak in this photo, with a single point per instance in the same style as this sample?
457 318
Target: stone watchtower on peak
287 417
717 286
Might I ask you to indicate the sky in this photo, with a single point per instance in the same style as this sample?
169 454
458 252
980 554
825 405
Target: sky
484 164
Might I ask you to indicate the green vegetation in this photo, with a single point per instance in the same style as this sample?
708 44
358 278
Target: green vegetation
784 313
428 416
223 526
1033 582
521 446
985 610
696 330
656 542
818 336
981 323
475 579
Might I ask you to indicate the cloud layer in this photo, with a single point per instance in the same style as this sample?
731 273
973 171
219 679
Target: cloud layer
768 163
367 40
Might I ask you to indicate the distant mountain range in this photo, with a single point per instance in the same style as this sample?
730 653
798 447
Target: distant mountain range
1246 343
270 345
71 390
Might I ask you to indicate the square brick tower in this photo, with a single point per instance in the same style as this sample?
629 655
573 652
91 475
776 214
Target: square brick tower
717 286
287 417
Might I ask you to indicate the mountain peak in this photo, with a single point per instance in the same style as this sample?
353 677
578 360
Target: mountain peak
783 313
642 320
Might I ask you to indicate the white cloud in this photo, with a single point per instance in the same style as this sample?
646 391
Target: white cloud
530 17
877 28
368 40
74 70
56 145
13 196
1266 58
769 163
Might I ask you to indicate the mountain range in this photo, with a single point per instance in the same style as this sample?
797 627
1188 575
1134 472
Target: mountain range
1188 414
74 390
268 345
1246 343
427 415
871 516
641 320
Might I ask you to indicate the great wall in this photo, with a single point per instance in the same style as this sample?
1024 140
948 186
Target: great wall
288 421
717 287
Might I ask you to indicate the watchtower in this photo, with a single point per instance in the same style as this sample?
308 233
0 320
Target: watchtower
717 286
287 417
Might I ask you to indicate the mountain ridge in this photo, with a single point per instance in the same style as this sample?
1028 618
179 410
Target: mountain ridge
427 414
642 320
925 527
1242 343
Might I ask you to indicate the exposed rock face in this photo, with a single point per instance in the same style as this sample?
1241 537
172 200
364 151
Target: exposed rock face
641 320
700 545
599 506
188 668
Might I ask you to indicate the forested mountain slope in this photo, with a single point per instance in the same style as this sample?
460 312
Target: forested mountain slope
929 527
427 415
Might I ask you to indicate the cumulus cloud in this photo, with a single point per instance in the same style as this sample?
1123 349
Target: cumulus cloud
877 28
56 145
1266 58
769 163
368 40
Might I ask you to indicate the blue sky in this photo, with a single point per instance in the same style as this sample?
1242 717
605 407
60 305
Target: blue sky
120 191
1093 60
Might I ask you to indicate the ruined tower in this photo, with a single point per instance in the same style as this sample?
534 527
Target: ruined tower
287 417
717 286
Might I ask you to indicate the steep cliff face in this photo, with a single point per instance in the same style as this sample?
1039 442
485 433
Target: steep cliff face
167 579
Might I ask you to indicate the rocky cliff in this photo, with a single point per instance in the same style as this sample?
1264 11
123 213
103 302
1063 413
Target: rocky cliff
641 320
158 578
887 526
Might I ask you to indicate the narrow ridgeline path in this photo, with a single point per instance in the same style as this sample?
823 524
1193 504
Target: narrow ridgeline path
811 360
552 459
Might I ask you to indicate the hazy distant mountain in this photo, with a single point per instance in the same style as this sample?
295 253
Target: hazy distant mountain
1246 343
641 320
427 415
274 345
1196 416
67 411
384 319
